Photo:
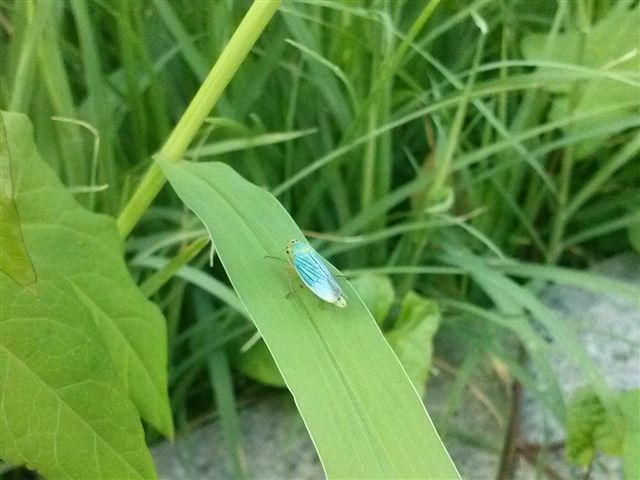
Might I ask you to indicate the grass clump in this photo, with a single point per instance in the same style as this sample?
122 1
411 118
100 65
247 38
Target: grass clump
466 151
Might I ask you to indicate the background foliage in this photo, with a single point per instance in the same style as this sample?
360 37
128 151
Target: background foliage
465 161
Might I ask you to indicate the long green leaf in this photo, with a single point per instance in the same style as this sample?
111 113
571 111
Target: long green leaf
588 280
237 144
364 417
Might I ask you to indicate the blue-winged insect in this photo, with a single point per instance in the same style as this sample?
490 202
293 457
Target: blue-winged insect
310 267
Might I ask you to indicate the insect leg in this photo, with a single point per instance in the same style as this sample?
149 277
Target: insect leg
290 287
290 272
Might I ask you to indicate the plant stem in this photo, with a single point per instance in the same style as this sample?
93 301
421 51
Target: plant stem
508 456
239 46
566 170
153 283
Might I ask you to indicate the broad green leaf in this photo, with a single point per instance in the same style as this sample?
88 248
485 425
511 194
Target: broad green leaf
361 410
376 292
608 46
412 336
584 412
590 427
84 347
14 259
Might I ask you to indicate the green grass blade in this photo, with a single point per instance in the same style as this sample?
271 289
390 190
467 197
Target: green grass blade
587 280
222 384
363 414
59 93
546 386
516 297
623 156
199 279
97 89
162 276
25 69
198 64
237 144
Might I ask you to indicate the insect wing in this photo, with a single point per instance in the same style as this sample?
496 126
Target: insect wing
315 275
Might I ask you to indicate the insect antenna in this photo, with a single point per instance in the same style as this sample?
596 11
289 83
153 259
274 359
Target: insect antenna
275 258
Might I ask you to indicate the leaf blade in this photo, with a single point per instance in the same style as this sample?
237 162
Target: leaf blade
325 354
84 344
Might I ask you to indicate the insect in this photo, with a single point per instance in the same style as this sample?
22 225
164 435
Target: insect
313 272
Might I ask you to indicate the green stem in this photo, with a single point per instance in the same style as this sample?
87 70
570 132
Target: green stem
566 170
205 99
152 284
626 154
443 166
